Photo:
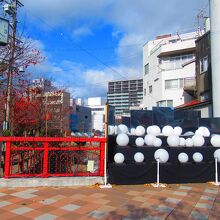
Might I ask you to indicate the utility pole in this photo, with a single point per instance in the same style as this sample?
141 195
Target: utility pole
11 63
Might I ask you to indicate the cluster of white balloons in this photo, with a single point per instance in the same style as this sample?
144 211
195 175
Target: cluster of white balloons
163 156
150 137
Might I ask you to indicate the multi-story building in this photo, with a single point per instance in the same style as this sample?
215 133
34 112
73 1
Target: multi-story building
55 105
125 94
97 106
168 68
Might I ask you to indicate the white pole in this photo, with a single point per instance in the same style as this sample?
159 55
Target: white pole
215 54
158 171
216 171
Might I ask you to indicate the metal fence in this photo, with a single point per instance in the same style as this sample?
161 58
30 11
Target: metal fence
45 157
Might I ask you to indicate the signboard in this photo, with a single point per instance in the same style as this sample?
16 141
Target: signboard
4 30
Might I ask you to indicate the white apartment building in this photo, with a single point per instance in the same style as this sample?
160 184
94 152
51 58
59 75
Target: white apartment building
168 67
97 106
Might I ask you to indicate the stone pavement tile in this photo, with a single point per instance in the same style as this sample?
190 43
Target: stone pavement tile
101 201
106 208
209 198
48 201
58 197
174 215
7 215
203 205
133 193
87 208
46 217
172 200
46 209
211 190
35 205
4 203
66 201
180 193
213 216
96 214
10 207
16 200
198 216
2 194
23 195
98 195
70 207
33 214
59 212
72 215
21 210
19 217
185 187
139 199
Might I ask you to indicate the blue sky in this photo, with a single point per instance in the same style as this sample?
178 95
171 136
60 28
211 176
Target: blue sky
89 42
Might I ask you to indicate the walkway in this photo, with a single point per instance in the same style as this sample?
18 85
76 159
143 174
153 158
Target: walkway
188 201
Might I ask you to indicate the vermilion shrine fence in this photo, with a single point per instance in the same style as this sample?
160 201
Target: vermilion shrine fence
45 157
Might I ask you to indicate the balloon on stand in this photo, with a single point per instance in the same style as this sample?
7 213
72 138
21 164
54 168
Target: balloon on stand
203 131
215 140
154 129
122 129
119 158
122 139
197 157
177 130
173 140
189 142
157 142
162 155
182 142
140 131
198 140
139 157
116 129
167 130
217 155
149 139
139 142
183 158
189 133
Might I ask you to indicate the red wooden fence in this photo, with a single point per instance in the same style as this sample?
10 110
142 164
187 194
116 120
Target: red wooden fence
44 156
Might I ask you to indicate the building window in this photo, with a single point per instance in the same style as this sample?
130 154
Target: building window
174 83
150 89
165 103
203 64
146 69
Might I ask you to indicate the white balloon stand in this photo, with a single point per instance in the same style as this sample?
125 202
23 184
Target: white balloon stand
158 184
216 183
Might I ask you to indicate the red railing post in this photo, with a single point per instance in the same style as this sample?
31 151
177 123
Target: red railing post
7 160
102 159
45 163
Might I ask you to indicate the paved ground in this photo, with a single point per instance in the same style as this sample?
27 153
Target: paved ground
188 201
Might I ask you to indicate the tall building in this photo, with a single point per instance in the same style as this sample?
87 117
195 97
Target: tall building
168 68
97 105
125 94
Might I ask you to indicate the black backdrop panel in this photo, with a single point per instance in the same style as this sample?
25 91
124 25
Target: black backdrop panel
212 123
163 116
141 117
188 120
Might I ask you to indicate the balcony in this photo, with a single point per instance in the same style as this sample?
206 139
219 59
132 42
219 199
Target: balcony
190 85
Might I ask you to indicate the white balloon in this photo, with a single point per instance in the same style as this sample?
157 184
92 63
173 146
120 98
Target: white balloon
203 131
162 155
111 130
132 131
173 141
197 157
119 158
139 142
154 129
149 139
140 130
189 133
189 142
122 139
182 142
198 140
177 130
122 129
217 155
167 130
157 142
139 157
215 140
183 158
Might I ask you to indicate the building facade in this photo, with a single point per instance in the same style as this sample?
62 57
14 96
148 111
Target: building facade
97 105
125 94
168 68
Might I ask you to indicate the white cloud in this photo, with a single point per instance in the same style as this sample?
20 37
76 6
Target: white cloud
81 31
